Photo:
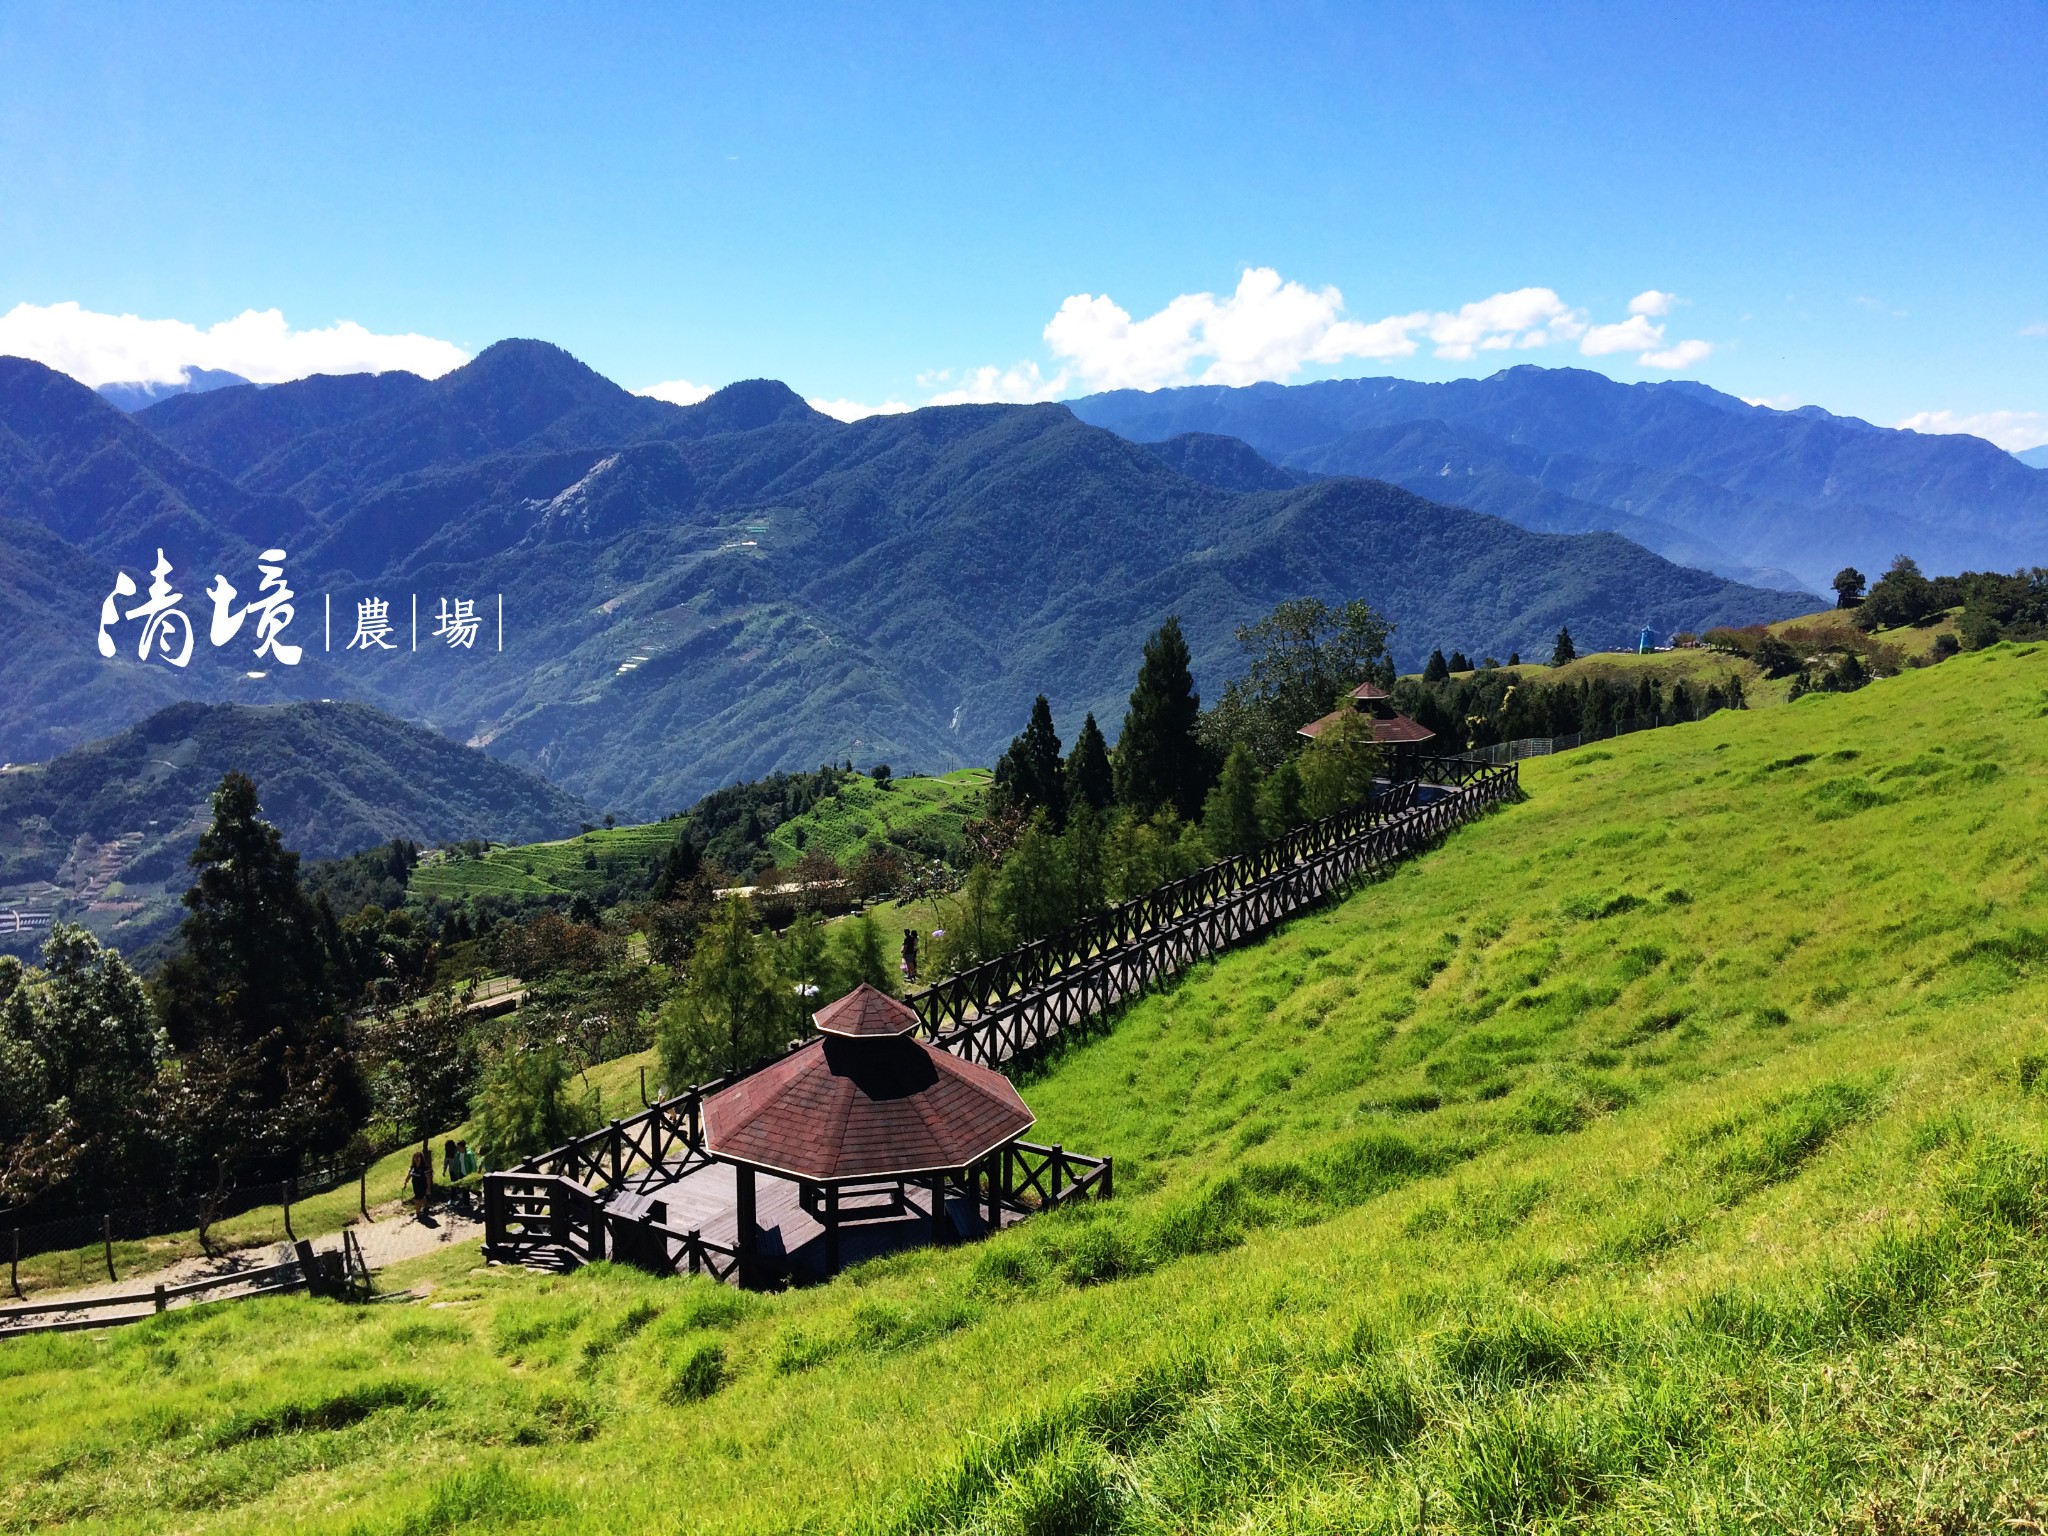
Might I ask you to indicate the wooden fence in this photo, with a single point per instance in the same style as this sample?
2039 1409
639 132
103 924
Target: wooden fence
551 1218
1014 1006
61 1316
1020 1024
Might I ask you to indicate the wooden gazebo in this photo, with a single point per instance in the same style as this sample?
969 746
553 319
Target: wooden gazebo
1390 727
857 1115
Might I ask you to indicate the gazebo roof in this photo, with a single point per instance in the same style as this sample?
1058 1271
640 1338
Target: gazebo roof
872 1105
864 1013
1369 690
1389 729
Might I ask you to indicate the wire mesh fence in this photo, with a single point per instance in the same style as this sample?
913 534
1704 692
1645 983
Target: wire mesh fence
1543 746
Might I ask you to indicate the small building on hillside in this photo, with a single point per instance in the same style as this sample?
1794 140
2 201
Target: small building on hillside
1389 726
871 1125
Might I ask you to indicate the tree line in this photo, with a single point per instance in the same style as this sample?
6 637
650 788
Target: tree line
1072 831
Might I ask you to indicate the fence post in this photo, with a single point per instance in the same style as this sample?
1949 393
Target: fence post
363 1190
161 1303
14 1263
107 1242
284 1195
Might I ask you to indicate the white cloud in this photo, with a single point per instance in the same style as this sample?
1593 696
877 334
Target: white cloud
2035 330
2014 431
1528 317
98 349
678 391
1269 329
1644 337
1635 334
1680 355
1021 385
1774 402
853 410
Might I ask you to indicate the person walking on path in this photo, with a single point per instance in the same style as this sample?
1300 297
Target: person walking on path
421 1177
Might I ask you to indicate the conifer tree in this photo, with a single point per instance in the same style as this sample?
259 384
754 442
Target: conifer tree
1230 818
1089 779
1280 804
250 1002
1159 761
1028 775
1564 652
1438 670
731 1011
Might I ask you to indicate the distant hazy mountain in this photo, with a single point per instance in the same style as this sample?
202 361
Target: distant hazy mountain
133 397
1777 497
2037 457
114 820
703 594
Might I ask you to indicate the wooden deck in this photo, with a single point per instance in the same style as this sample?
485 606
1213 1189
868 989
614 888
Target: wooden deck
707 1200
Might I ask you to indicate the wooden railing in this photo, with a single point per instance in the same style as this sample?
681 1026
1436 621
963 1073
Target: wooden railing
61 1316
1037 1178
657 1137
958 998
1004 1011
527 1215
1024 1023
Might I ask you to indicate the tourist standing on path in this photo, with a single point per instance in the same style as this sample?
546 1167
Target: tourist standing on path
421 1177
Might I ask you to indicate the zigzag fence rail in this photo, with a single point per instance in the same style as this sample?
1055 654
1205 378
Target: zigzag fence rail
554 1205
1030 1021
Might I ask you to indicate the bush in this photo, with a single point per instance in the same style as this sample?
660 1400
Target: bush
526 1104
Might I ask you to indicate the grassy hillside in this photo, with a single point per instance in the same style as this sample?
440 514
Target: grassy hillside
570 866
928 812
1663 1153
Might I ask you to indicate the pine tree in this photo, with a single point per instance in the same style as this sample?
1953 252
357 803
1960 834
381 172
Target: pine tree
731 1012
250 1003
1564 653
1230 818
1159 762
678 868
1338 768
1089 779
1028 774
1280 805
1438 670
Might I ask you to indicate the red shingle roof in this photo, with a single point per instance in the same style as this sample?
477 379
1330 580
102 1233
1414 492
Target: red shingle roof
866 1011
1369 691
864 1107
1391 729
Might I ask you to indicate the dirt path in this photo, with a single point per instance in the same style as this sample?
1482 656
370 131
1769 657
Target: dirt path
391 1235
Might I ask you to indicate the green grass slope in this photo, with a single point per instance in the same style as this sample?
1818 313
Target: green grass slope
1664 1153
584 864
929 811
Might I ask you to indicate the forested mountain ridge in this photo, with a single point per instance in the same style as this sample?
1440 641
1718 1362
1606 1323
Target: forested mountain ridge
698 595
1697 475
111 822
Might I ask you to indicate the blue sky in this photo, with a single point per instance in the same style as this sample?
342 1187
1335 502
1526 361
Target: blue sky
1845 205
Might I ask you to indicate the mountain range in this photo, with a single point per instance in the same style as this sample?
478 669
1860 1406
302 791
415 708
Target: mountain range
1776 498
107 826
695 595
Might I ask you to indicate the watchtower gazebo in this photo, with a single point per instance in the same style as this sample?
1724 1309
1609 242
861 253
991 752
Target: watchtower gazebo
1390 727
858 1115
